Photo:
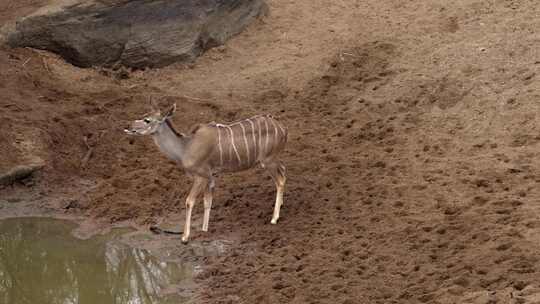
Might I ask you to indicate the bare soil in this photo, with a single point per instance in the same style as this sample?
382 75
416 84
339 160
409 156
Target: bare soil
413 162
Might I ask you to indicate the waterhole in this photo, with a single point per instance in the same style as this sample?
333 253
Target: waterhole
41 262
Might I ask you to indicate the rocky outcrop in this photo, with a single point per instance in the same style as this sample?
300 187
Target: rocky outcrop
18 173
133 33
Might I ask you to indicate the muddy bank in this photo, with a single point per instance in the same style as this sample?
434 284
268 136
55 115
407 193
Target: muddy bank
157 268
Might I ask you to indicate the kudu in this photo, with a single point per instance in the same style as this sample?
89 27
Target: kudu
215 148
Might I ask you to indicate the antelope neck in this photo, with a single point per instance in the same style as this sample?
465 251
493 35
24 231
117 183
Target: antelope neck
169 141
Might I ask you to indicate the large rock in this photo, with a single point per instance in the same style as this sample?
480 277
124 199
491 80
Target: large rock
134 33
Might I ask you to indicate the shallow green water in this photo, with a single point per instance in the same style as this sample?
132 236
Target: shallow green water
40 262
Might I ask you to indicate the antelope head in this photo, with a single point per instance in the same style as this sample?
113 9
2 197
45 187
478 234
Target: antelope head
150 122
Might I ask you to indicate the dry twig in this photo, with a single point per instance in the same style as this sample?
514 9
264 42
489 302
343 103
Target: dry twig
46 65
196 98
26 62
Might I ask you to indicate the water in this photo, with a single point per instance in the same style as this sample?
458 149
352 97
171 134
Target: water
40 262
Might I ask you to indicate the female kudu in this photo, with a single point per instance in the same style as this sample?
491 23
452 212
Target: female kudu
214 148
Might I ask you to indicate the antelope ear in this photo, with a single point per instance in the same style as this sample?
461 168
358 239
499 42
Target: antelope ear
170 111
153 105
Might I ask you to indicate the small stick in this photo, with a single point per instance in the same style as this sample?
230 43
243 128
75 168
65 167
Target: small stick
195 98
26 62
88 154
13 105
349 54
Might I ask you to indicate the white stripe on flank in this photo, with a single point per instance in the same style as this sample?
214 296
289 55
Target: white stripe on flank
267 135
245 141
281 128
234 147
275 131
254 139
260 137
219 145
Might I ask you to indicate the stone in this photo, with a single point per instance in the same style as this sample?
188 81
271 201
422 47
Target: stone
131 33
18 173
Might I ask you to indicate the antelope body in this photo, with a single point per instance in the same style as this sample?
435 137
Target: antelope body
214 148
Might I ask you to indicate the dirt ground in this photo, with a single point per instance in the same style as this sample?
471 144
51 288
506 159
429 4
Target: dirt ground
413 161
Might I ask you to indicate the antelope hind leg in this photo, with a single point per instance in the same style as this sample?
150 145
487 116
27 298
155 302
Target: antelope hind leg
277 171
208 196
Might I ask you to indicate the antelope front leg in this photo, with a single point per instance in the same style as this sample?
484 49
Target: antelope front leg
279 201
208 195
198 184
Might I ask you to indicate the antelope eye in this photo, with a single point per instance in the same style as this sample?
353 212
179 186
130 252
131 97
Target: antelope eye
147 120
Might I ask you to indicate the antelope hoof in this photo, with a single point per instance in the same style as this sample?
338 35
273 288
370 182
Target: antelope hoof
273 221
185 240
